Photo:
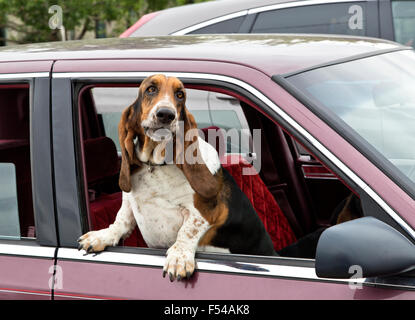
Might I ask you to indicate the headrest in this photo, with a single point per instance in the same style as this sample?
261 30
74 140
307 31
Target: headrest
215 137
101 159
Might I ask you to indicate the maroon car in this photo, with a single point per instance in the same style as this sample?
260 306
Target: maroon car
325 121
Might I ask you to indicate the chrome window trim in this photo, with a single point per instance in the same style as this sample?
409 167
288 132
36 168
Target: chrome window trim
23 75
210 22
214 264
26 250
259 10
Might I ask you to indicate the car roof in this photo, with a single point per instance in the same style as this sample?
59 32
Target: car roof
270 53
174 19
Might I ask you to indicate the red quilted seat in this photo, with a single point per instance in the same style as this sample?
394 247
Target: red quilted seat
102 212
262 200
104 208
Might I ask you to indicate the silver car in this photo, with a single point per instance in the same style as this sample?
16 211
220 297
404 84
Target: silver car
386 19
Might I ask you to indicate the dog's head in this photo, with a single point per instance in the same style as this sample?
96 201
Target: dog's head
155 117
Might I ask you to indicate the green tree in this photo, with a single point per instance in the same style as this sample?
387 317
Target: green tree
28 21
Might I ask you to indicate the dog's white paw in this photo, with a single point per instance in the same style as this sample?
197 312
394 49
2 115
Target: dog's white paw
180 262
96 241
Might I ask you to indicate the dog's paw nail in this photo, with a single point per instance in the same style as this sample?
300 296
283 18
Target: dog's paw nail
164 273
80 247
90 249
171 277
179 277
188 274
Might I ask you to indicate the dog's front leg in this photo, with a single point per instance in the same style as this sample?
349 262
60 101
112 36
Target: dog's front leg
124 224
180 261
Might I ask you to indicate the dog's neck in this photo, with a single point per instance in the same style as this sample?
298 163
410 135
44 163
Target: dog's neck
150 151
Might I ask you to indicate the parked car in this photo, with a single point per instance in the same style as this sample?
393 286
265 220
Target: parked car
386 19
59 164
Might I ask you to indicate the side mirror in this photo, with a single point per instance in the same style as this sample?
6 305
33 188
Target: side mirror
374 246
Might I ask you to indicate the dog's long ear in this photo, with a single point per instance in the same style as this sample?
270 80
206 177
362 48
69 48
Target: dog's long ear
194 168
127 131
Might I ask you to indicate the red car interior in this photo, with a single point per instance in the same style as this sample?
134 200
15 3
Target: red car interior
15 148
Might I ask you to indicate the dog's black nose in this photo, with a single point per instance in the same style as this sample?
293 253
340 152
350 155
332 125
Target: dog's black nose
165 115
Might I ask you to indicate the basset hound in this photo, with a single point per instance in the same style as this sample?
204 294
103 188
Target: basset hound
186 204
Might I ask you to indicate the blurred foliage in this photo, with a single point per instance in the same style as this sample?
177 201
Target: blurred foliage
28 21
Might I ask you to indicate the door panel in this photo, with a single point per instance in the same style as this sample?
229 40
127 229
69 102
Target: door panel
139 276
26 271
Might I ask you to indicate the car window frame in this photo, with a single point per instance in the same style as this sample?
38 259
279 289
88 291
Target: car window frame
40 251
212 262
40 160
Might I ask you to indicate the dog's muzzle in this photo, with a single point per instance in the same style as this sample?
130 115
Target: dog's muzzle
165 116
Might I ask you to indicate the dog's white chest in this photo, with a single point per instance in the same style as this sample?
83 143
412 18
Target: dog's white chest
158 198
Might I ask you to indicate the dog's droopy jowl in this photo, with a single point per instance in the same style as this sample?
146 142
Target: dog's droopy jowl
186 205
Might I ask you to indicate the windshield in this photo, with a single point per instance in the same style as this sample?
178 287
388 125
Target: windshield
375 97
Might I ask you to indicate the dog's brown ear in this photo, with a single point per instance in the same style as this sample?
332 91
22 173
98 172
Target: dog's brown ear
194 168
126 134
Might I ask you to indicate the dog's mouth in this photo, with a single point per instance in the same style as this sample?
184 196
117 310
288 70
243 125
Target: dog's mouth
158 133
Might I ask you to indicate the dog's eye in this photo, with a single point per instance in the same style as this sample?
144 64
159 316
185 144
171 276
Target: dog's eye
151 90
180 95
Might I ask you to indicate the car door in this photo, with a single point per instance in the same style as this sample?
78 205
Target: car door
131 272
28 237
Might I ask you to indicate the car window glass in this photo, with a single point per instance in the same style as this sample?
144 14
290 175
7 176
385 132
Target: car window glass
227 26
339 18
403 13
9 217
375 97
16 204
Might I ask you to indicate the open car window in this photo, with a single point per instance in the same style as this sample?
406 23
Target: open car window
277 190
